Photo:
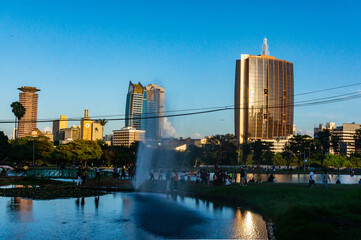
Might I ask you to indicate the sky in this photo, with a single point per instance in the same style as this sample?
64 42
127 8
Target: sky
82 54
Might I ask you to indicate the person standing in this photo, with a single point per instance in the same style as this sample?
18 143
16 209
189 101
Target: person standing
151 175
325 179
97 174
167 177
245 176
84 175
160 174
311 180
242 176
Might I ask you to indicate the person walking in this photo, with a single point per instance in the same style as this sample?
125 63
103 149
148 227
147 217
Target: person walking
311 180
325 179
97 174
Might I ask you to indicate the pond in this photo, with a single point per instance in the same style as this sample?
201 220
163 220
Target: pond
126 216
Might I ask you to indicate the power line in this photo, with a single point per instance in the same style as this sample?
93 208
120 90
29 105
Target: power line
204 108
331 99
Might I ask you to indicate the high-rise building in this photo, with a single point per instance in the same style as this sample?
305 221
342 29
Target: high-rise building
29 99
145 109
263 97
154 108
62 123
134 105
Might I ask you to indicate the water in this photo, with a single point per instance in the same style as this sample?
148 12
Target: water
126 216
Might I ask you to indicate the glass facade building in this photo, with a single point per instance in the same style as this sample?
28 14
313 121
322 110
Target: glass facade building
145 109
264 95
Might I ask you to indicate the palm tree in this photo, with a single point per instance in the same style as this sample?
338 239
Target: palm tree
19 111
103 122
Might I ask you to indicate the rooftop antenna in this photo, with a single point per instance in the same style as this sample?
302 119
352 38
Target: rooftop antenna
265 47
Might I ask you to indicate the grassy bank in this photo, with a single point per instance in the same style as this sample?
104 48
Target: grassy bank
298 212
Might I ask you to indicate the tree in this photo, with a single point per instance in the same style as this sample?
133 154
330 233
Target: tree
336 143
298 145
262 153
102 123
222 149
80 151
325 143
23 148
278 159
5 147
19 111
357 138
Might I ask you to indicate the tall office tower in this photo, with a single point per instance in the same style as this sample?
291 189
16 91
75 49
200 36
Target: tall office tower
86 126
29 99
62 123
263 97
134 105
154 108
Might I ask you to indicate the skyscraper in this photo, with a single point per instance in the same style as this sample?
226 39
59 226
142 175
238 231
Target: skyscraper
145 109
134 105
29 99
154 108
263 97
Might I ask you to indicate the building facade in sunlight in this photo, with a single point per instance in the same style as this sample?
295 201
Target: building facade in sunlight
29 99
264 96
145 109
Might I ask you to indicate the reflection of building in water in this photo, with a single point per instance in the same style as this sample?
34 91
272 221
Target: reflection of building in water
23 208
248 225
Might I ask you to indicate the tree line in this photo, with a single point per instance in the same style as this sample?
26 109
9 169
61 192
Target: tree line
218 150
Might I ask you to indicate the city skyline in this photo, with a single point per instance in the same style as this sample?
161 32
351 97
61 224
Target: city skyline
85 58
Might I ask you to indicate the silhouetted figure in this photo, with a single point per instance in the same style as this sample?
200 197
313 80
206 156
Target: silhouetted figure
97 174
151 175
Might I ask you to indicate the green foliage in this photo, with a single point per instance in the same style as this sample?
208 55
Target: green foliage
5 147
80 151
335 161
23 149
120 155
278 160
301 146
19 111
357 138
221 149
262 153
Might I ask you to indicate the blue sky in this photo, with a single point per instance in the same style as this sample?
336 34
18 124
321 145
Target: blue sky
84 53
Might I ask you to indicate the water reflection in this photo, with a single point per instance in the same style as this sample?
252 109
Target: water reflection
126 216
20 209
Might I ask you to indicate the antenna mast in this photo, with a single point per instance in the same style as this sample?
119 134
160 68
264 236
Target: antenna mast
265 47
